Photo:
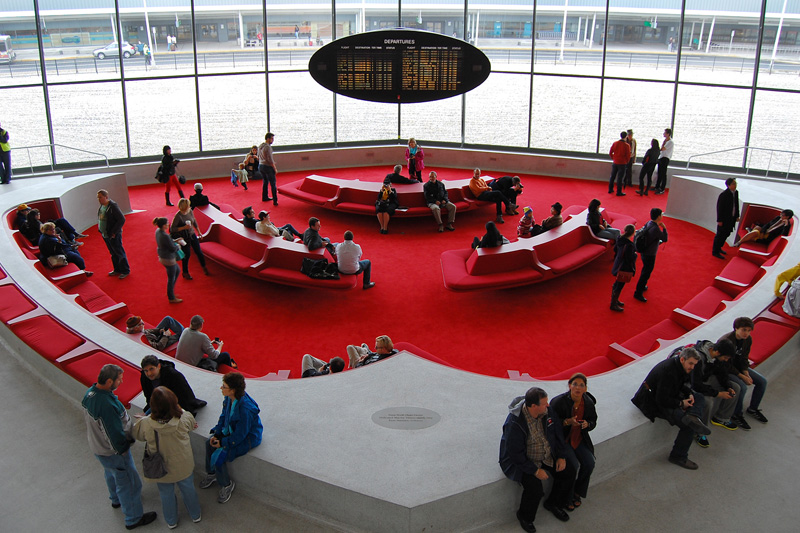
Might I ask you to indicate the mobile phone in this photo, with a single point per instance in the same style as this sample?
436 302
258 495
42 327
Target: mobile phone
216 339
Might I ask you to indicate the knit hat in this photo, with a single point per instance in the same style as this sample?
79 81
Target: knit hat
528 211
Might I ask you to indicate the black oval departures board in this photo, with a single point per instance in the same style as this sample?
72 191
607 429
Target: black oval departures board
399 65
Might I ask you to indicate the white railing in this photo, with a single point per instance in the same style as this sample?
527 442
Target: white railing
51 152
779 162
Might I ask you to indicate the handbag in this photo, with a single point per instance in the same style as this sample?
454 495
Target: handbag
153 463
624 277
59 260
179 254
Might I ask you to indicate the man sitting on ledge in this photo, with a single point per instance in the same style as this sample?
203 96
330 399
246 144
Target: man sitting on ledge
436 199
666 393
160 373
194 343
317 367
348 259
361 355
483 192
312 239
395 176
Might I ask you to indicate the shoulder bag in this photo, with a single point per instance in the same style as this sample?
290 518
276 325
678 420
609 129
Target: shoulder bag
153 463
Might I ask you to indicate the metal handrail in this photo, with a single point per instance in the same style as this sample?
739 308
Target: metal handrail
52 146
747 151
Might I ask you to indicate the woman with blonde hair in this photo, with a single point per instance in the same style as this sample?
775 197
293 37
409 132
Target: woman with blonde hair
415 157
184 226
166 431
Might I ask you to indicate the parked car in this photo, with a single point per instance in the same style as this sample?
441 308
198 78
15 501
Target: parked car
112 50
7 54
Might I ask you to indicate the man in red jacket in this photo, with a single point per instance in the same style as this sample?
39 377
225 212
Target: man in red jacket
620 155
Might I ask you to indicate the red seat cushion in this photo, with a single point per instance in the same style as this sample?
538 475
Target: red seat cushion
592 367
46 336
13 303
647 341
707 303
86 369
768 338
740 270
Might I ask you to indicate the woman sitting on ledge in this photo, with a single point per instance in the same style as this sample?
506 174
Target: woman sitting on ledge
766 233
598 225
386 205
492 239
50 244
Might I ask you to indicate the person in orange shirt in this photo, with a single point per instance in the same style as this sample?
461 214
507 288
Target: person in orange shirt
620 155
483 192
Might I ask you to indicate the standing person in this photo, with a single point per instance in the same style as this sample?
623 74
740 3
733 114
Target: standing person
667 148
649 162
146 53
576 409
266 165
184 226
109 222
629 167
532 450
667 393
348 260
655 234
168 167
296 32
167 250
483 192
727 217
166 431
436 197
238 431
108 427
620 153
385 205
5 157
624 266
415 157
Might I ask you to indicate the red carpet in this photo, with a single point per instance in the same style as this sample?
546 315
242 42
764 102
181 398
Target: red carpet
540 329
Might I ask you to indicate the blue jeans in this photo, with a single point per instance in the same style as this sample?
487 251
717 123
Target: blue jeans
222 470
75 258
119 259
759 388
365 266
192 243
173 272
169 323
581 460
124 484
269 181
169 502
290 229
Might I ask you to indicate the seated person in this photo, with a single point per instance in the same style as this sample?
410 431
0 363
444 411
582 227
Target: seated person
50 244
743 375
198 199
317 367
598 225
492 238
251 163
386 204
265 227
159 373
553 221
164 335
483 192
194 343
361 355
526 223
766 233
249 220
312 239
22 216
436 198
395 177
32 229
511 187
788 277
348 260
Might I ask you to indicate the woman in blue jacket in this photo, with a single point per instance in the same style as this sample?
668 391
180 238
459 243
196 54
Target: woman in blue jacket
238 430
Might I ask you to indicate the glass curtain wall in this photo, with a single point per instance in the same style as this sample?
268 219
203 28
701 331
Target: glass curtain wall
122 78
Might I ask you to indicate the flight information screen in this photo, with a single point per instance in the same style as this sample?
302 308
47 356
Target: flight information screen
399 65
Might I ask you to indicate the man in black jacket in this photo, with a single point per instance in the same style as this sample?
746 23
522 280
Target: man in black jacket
655 234
727 216
397 178
511 187
110 221
157 372
313 240
436 199
666 393
532 450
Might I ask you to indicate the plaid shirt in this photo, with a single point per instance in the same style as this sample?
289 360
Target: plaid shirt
538 447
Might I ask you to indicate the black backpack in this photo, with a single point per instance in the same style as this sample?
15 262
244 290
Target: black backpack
319 269
640 239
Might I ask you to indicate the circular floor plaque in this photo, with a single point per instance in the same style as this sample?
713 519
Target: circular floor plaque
406 418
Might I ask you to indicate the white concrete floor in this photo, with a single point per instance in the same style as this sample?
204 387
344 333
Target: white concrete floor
745 482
